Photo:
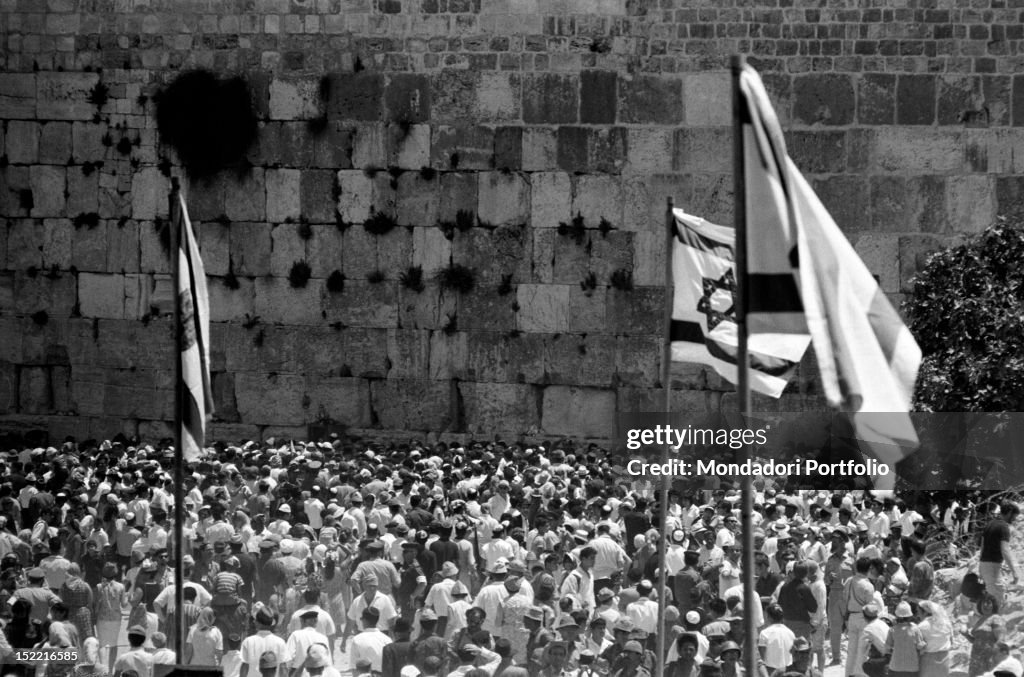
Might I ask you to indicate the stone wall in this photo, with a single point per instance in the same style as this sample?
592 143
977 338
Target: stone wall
517 114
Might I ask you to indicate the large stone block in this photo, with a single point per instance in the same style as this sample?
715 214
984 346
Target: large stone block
598 99
357 96
54 295
149 194
459 193
969 203
649 150
508 148
355 195
504 199
408 146
636 312
448 354
592 149
906 150
8 387
278 302
283 194
551 98
334 147
880 253
87 141
244 196
17 95
366 352
288 248
707 97
83 193
649 253
580 360
638 360
578 412
22 142
410 404
542 308
914 251
491 408
497 97
65 96
251 245
407 97
101 296
294 99
49 189
586 310
408 353
702 149
214 243
550 199
418 199
54 143
270 399
823 99
431 250
57 243
540 149
25 244
15 186
362 304
818 152
426 309
369 145
915 99
876 99
344 400
316 195
228 305
486 310
596 197
651 99
462 147
123 248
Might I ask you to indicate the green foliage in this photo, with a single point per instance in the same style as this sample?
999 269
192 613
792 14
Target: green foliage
413 279
380 223
336 282
299 275
966 312
589 283
456 277
576 229
375 276
90 220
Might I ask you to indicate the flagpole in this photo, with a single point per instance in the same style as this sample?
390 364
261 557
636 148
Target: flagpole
750 653
174 213
666 377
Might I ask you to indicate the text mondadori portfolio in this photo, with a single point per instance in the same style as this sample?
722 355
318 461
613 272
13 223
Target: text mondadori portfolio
709 467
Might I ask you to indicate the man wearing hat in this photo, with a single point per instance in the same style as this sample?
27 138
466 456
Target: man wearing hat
869 654
137 658
306 636
369 643
610 557
37 594
838 570
412 582
440 595
492 595
371 598
384 571
644 611
256 646
428 643
631 661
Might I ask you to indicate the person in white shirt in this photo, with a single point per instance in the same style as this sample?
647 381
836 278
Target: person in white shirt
579 582
254 646
776 640
611 557
305 637
370 642
644 611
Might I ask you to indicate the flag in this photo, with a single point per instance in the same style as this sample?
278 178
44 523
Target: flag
867 358
704 326
197 396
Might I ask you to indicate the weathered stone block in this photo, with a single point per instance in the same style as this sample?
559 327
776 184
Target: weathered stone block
83 193
585 149
580 360
845 198
369 145
334 147
610 253
636 312
407 97
8 387
969 203
702 150
365 352
14 181
394 252
122 242
651 99
356 96
154 256
448 352
571 262
101 295
22 142
540 149
914 252
1009 196
294 99
54 144
598 99
409 147
649 252
149 194
649 150
823 98
287 248
412 404
880 253
579 412
486 310
278 302
597 197
918 151
224 402
205 198
544 244
459 192
818 152
359 253
498 96
251 248
408 353
491 408
551 199
508 148
426 309
915 100
542 308
275 399
706 98
355 195
283 194
431 250
17 95
214 243
504 199
65 96
228 305
550 98
638 360
345 400
25 244
362 304
418 199
87 141
49 185
317 203
243 196
57 243
462 147
917 204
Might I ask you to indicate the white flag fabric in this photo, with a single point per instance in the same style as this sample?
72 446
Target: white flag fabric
867 358
197 397
704 326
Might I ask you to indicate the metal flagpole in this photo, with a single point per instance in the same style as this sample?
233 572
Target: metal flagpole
174 212
666 377
743 381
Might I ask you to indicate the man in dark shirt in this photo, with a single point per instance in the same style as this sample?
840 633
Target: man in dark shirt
995 550
797 602
443 548
398 653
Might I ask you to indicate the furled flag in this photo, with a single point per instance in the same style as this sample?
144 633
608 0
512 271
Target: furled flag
197 396
867 358
704 326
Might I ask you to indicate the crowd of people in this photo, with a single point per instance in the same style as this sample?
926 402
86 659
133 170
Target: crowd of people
484 560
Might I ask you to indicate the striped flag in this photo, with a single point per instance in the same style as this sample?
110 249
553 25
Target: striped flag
197 395
704 326
867 358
